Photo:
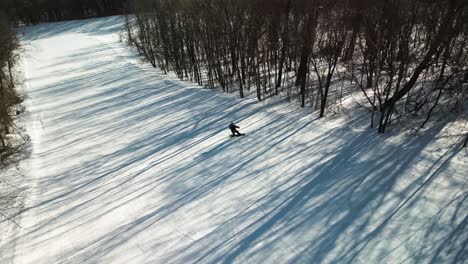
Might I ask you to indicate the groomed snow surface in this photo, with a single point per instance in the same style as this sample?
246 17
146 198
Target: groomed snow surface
131 166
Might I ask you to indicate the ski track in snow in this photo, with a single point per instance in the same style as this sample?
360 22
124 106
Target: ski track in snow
131 166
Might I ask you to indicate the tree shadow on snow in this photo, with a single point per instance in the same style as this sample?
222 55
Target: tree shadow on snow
290 191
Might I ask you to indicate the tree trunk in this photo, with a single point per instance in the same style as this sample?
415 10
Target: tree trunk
305 53
302 73
323 102
285 39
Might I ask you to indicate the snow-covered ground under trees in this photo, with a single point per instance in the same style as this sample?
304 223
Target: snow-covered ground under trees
131 166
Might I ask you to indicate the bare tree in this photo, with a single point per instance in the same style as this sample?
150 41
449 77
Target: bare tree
11 147
329 48
405 61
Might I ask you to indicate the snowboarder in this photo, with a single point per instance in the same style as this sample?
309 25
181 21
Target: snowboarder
234 130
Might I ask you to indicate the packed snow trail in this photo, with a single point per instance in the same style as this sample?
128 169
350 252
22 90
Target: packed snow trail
131 166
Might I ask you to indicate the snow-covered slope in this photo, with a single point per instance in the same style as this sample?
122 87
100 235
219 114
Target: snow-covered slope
131 166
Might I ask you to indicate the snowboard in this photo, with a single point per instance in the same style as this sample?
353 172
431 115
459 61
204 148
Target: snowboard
236 135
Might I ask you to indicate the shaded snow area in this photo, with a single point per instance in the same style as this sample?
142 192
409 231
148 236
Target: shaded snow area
131 166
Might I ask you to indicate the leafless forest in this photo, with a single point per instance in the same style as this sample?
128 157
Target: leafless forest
38 11
408 57
9 98
12 138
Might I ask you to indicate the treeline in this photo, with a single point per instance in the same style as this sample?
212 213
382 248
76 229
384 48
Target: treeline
406 56
37 11
11 142
9 98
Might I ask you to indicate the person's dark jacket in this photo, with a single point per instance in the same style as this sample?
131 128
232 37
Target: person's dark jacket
232 126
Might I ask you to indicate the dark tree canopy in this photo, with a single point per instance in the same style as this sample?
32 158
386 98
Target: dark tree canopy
36 11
